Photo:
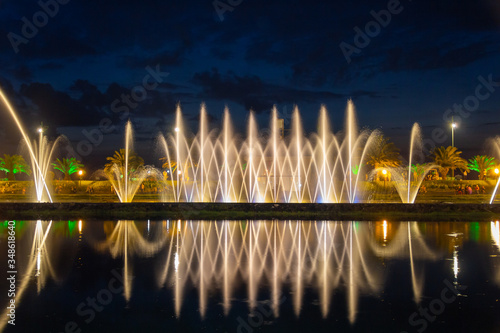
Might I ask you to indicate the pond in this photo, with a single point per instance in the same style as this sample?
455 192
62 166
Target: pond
250 276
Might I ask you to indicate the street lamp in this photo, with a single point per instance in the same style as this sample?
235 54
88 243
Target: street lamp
453 126
384 172
80 173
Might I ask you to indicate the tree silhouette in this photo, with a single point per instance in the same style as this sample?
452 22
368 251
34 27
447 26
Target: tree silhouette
447 158
119 159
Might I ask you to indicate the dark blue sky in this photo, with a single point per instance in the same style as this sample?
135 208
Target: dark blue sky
70 64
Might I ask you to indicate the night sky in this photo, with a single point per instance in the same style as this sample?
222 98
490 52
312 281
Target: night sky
69 64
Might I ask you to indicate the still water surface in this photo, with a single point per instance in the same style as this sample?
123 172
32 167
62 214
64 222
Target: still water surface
254 276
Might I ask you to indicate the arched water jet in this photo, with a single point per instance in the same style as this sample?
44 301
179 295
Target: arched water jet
39 171
266 166
408 179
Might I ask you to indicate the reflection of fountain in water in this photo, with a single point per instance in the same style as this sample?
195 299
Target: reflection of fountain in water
127 241
218 254
495 235
408 242
38 266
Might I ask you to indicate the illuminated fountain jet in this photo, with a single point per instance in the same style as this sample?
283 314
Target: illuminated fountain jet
496 145
40 154
407 179
266 166
127 241
125 178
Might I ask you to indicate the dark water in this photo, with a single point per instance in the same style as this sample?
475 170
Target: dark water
253 276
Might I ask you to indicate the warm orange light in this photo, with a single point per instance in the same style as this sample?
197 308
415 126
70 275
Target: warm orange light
385 230
384 172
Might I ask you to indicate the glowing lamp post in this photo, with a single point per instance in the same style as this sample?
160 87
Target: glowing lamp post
453 126
80 174
384 172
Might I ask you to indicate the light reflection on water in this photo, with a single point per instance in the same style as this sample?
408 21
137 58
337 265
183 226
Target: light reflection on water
278 261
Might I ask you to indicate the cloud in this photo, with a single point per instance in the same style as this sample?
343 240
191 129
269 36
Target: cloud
252 93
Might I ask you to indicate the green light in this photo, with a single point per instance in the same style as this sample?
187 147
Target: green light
71 226
474 231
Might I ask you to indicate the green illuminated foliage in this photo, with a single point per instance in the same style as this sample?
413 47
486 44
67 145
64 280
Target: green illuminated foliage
67 166
481 164
13 164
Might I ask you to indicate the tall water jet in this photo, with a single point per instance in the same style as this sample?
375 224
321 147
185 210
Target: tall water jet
226 152
125 172
39 172
40 164
203 138
265 166
352 154
322 157
297 136
251 168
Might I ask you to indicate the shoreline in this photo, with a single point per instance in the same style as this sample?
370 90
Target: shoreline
239 211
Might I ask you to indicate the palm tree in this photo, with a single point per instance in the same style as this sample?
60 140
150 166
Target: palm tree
447 158
67 166
118 159
383 154
12 164
169 166
418 170
482 164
